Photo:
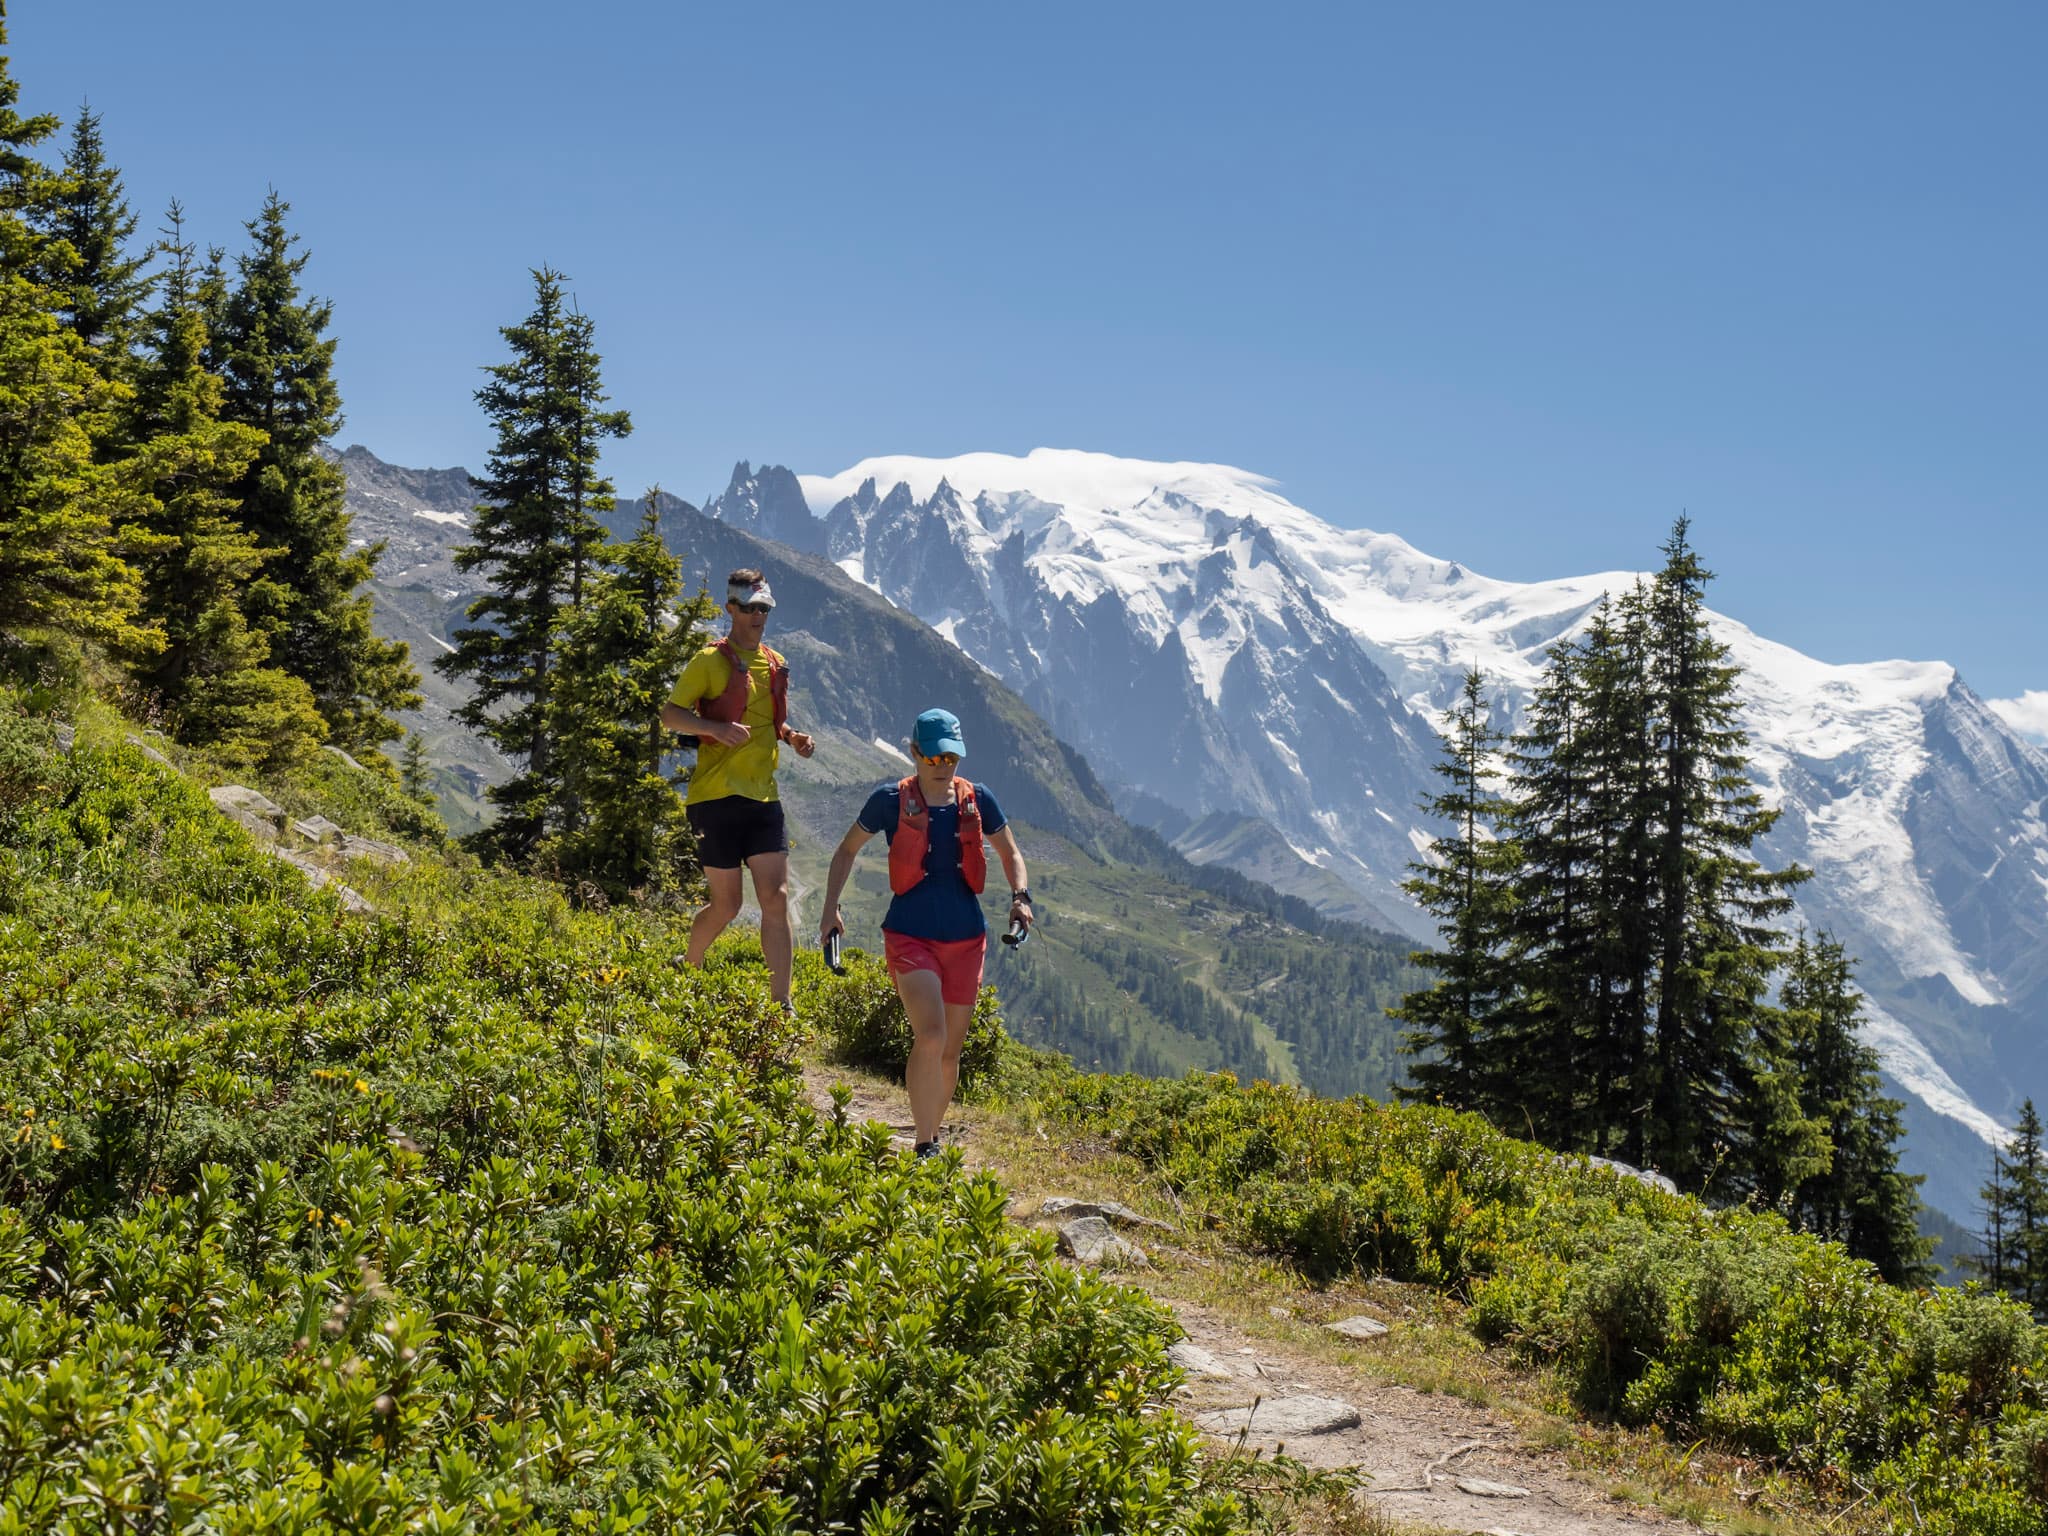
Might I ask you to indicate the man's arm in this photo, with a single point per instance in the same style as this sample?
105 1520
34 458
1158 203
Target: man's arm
1013 871
835 879
726 733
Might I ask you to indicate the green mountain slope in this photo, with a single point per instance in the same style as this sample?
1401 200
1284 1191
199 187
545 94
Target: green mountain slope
473 1213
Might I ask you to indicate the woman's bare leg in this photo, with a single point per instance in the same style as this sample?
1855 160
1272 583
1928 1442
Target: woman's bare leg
930 1085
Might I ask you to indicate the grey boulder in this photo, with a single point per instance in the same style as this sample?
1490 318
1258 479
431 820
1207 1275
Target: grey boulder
1090 1241
1279 1417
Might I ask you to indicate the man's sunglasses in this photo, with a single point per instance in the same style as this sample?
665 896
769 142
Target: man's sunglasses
756 609
942 760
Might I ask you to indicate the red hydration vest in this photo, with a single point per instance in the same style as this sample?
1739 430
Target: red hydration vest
731 705
913 837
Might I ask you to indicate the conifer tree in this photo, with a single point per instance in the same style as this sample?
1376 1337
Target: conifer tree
1860 1197
1458 1028
2026 1214
279 368
1993 1264
535 533
620 650
1579 813
211 679
100 283
1714 904
415 778
60 508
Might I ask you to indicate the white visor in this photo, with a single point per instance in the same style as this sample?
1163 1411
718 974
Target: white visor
740 592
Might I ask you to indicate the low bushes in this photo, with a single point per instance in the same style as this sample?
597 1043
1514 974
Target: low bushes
1654 1308
480 1214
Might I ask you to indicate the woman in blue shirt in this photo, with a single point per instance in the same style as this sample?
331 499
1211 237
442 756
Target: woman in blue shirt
938 826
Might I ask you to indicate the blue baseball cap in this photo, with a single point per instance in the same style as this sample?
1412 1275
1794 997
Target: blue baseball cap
936 731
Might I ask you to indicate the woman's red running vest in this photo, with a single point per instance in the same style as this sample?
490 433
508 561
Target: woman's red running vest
913 837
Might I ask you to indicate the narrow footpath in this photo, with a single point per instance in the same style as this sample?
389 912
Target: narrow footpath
1435 1461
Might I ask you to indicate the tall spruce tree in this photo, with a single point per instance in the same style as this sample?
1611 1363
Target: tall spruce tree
1579 812
535 534
1458 1028
2026 1214
1860 1197
620 651
1618 758
211 680
1994 1263
61 565
101 283
278 364
1716 949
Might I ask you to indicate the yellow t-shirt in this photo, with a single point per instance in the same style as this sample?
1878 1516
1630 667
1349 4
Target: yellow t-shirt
748 769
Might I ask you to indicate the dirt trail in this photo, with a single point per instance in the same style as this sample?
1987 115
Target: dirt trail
1436 1460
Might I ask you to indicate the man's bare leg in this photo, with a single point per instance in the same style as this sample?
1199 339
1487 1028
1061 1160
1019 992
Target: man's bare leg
712 917
771 890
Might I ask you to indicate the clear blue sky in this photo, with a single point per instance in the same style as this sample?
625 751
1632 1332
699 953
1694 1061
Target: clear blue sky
1516 282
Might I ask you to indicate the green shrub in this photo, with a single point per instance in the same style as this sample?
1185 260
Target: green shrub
481 1214
1656 1309
28 764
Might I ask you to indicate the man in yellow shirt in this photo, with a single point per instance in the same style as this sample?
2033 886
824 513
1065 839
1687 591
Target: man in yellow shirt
734 698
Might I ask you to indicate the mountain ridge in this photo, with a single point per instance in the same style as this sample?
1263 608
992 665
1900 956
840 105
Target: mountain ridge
1198 585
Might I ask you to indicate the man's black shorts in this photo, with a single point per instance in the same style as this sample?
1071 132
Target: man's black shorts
733 828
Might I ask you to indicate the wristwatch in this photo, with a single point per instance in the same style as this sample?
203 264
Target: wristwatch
1023 894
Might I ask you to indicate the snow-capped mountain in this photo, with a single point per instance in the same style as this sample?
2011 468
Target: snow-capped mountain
1215 649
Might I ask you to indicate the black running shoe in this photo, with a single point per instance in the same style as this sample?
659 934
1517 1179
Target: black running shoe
927 1149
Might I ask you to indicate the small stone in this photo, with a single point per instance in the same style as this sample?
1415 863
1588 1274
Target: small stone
1283 1417
1284 1314
317 829
1358 1327
359 768
1090 1241
1197 1361
1483 1488
147 750
67 737
369 848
